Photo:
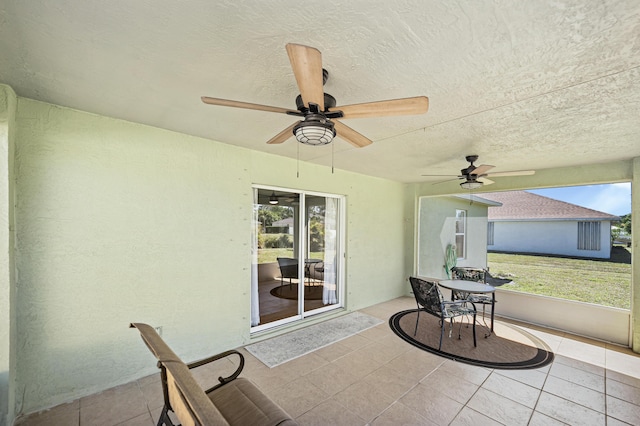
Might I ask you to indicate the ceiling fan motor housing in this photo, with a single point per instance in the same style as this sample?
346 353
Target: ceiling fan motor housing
470 168
329 102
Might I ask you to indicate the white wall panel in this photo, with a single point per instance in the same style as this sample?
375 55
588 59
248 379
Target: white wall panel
585 319
551 237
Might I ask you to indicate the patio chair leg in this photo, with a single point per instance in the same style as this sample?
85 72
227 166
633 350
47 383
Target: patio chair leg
164 419
417 319
484 321
474 331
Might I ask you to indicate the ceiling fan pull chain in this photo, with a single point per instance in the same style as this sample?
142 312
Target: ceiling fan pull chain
333 149
298 160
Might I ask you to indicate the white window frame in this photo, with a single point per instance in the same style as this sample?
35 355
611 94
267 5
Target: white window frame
490 233
461 214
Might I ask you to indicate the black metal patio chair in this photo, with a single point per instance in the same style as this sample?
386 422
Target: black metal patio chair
288 269
429 299
473 274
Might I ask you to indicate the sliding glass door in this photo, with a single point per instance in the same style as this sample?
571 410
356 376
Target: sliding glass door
297 255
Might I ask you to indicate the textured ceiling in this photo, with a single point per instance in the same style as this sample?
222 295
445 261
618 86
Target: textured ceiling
525 85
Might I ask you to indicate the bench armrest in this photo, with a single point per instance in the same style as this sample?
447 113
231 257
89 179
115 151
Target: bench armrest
222 380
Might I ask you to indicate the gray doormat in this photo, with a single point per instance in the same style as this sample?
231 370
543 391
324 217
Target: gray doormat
276 351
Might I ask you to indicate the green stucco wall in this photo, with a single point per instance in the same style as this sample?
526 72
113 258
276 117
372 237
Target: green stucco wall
8 102
120 222
635 260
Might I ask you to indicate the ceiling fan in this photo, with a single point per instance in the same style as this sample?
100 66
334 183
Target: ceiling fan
476 176
286 198
320 123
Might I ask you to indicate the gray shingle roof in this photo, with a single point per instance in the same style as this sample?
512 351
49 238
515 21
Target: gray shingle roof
283 222
523 205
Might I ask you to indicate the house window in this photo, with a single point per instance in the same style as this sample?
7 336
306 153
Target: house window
461 230
490 233
589 235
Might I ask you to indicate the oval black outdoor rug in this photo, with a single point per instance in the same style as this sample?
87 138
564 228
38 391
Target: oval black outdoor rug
509 347
311 292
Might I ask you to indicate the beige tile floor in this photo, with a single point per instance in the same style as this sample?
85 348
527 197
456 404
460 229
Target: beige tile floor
375 378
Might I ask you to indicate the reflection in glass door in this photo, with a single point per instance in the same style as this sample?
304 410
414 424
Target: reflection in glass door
321 258
296 256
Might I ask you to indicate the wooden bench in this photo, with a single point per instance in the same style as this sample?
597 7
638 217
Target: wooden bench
233 401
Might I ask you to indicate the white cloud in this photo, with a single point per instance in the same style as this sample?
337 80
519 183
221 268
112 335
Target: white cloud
609 198
613 199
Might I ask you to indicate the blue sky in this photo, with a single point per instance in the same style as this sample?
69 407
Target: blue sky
612 198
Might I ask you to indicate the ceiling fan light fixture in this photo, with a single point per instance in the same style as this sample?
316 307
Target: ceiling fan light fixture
273 199
471 184
315 130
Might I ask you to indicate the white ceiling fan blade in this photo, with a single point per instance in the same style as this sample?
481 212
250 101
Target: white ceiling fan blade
444 181
514 173
482 169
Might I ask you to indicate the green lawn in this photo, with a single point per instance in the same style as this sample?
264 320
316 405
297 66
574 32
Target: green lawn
270 255
602 282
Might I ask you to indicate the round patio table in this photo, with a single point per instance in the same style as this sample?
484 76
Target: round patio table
471 287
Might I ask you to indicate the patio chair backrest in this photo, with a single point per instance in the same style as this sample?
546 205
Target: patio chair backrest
427 295
182 392
469 274
288 267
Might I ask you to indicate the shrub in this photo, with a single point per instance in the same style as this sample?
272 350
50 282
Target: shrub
276 241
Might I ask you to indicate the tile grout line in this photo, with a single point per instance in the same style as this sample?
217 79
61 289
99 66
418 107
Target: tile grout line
606 400
535 406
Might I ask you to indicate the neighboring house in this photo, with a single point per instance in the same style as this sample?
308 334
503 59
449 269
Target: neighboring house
531 223
452 220
283 226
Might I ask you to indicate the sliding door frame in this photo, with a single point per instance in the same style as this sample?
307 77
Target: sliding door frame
301 248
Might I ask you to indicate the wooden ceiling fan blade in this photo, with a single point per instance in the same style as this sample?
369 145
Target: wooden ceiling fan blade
485 181
514 173
482 169
406 106
306 63
283 135
444 181
245 105
348 134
